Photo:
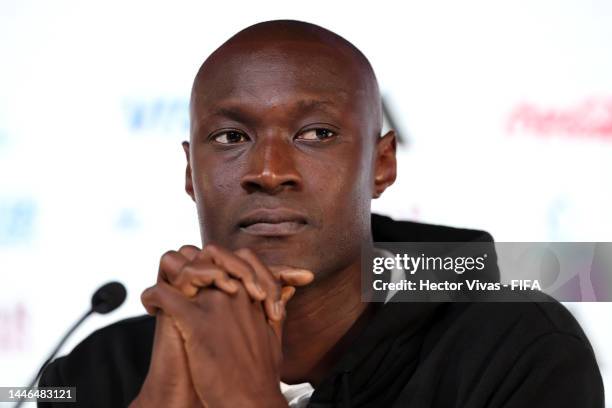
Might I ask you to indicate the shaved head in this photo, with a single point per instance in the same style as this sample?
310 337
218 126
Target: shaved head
286 117
311 44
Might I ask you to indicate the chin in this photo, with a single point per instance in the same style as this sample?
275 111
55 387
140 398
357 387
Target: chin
285 250
280 254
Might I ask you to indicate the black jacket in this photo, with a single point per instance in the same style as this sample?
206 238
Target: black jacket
462 355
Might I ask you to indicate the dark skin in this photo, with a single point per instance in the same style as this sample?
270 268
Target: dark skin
292 127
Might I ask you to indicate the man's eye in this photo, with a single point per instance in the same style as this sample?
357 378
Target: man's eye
316 134
230 136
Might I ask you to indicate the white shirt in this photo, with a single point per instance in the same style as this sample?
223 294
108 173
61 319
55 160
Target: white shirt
297 395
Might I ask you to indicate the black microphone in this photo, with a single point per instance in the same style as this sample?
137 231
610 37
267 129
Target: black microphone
106 299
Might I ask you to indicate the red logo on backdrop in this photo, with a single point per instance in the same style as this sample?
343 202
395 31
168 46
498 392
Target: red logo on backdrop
14 321
591 118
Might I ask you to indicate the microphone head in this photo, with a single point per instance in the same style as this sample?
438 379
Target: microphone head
108 297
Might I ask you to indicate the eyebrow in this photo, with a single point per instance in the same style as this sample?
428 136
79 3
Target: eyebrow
234 113
238 114
314 104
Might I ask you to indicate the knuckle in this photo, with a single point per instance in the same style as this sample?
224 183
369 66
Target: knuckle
247 252
181 281
188 271
219 274
168 255
212 248
167 266
187 248
147 295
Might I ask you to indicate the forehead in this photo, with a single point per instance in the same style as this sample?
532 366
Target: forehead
285 75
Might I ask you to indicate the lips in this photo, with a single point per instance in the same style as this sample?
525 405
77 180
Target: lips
273 222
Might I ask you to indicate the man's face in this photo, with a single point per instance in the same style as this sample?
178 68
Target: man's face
282 156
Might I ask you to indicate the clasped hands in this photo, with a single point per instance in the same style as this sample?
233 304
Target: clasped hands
218 334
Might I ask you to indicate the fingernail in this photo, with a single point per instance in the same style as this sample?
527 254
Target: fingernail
291 293
278 309
301 272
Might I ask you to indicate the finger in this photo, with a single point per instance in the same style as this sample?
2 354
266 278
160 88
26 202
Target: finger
176 269
170 265
287 293
272 303
235 267
201 274
149 307
164 297
289 275
189 251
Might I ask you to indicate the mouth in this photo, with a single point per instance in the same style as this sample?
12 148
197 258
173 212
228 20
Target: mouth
278 222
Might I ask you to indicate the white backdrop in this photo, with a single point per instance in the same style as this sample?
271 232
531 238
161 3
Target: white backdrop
514 98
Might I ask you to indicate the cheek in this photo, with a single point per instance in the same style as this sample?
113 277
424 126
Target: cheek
346 192
343 200
213 177
213 184
345 185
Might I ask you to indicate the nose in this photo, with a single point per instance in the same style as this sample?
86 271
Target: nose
271 167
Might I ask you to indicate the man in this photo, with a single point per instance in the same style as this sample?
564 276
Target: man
285 154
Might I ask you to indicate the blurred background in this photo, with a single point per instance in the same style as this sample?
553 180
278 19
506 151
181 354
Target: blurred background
504 110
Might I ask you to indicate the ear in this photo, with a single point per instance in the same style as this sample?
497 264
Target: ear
188 180
385 168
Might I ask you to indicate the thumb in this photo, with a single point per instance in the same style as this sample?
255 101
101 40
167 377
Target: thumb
289 275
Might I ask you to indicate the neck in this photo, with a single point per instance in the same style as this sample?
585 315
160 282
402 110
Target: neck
322 320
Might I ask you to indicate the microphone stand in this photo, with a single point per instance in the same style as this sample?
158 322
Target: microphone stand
54 352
